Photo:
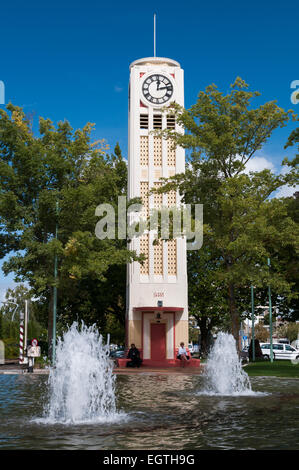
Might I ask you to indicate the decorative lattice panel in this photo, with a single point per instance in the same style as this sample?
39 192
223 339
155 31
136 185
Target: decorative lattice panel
144 196
143 150
158 198
144 249
171 153
171 198
157 151
172 257
158 258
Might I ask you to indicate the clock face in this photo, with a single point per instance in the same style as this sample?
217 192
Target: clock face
157 89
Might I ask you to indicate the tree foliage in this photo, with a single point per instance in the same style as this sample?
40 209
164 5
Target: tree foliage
261 333
289 330
61 167
244 223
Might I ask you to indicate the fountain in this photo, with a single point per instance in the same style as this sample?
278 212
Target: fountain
226 415
223 372
81 386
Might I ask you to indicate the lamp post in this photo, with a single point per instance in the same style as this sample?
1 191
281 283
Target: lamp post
13 303
13 314
252 325
270 317
55 292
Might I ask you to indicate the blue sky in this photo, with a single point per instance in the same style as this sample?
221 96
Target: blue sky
70 59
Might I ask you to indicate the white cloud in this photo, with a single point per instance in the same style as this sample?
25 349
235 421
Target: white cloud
2 294
118 89
286 191
262 163
259 164
7 282
3 288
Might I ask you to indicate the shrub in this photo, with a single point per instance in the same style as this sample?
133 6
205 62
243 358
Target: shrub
11 348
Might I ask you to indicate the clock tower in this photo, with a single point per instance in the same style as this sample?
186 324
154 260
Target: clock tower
157 304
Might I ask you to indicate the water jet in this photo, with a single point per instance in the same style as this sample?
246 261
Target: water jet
223 374
82 383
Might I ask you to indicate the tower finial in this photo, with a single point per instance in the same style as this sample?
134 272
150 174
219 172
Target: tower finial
154 34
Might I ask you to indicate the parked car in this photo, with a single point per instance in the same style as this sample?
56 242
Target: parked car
280 351
283 341
120 353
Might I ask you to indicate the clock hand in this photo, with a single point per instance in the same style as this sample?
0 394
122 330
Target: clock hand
165 88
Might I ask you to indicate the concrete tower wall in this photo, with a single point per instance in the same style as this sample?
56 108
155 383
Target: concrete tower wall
163 277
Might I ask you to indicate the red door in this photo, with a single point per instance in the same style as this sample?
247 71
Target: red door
158 341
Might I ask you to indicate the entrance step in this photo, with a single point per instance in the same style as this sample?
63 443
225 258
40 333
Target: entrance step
166 363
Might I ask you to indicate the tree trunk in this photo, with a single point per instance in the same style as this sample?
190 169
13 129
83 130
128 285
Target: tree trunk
203 336
234 314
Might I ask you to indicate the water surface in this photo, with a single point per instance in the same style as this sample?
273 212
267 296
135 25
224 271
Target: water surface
163 412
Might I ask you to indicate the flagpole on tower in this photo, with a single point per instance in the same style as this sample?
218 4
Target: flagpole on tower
155 35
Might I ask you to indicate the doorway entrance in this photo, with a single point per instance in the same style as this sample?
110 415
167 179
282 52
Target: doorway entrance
158 341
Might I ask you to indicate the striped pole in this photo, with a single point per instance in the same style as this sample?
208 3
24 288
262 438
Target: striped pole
21 344
25 328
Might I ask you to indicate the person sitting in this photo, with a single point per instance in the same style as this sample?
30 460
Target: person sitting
134 355
182 354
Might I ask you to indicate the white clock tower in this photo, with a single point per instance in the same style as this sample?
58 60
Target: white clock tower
157 304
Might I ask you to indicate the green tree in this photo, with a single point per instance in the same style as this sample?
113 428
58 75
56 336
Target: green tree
287 257
206 297
37 171
11 310
293 140
1 325
14 302
222 133
261 333
289 330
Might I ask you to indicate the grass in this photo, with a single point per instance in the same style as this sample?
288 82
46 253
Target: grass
274 369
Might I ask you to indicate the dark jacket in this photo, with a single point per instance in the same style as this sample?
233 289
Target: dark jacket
133 354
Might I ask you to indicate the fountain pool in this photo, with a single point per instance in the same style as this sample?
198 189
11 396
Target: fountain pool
83 405
162 412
